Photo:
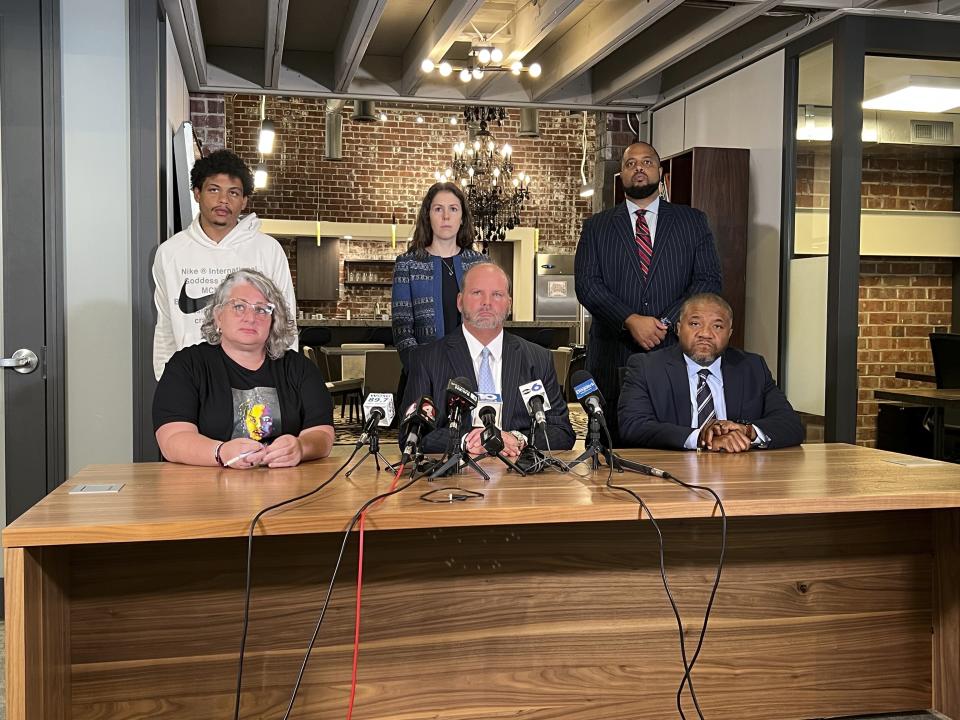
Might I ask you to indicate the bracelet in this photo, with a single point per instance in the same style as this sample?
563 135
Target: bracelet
521 438
217 456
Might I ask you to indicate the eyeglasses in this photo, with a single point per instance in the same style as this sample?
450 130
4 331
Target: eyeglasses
261 311
646 162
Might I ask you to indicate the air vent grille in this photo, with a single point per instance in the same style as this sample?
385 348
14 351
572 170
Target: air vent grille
934 132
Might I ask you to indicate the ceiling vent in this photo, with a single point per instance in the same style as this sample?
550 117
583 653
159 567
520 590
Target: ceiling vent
934 132
363 111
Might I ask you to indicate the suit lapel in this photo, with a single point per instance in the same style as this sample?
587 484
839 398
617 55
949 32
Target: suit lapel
663 236
625 232
679 384
732 386
509 377
458 354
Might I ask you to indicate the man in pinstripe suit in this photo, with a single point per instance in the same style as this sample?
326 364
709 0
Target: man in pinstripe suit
636 263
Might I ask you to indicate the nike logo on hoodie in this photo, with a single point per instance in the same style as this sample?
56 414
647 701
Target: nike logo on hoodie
189 305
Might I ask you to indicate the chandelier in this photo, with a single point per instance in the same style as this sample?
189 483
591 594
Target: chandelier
495 193
481 59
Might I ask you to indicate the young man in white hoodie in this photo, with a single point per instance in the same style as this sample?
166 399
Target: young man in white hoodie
189 266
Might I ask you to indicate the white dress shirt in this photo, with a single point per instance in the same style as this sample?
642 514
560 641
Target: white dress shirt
652 211
475 348
715 383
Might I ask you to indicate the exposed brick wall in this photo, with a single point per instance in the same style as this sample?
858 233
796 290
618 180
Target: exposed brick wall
908 178
386 168
207 113
902 301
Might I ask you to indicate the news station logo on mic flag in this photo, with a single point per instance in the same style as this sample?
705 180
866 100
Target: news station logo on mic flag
494 400
585 388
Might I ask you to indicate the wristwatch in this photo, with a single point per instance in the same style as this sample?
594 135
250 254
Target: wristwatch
521 438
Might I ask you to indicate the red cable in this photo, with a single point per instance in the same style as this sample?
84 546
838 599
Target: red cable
356 626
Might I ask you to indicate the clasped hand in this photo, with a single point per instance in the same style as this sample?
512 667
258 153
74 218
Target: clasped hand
726 436
473 445
284 451
646 331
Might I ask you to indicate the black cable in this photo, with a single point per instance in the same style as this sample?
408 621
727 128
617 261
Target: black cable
326 601
688 666
246 598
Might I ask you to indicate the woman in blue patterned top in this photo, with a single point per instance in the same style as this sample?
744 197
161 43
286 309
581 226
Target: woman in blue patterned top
426 278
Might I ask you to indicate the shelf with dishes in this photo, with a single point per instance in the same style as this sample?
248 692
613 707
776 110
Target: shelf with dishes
368 272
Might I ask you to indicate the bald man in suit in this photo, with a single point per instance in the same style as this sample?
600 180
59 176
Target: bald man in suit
635 265
703 394
499 362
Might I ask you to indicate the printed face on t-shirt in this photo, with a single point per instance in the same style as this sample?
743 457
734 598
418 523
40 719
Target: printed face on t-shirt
256 413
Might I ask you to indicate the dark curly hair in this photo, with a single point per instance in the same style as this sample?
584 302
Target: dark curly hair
222 162
423 233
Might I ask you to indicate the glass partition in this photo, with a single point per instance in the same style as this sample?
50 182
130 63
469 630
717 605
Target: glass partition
807 299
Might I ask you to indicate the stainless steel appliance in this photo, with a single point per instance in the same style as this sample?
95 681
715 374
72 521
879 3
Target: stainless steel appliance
555 297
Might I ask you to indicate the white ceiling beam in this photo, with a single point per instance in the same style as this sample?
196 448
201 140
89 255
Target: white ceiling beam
605 28
531 26
438 31
185 27
619 74
273 41
353 42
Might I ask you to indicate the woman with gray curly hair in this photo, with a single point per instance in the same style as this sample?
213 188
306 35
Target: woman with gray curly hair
241 398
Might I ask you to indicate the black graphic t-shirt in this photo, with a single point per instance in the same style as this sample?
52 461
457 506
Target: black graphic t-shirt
203 386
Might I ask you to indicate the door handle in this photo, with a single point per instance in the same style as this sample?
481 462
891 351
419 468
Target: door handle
23 361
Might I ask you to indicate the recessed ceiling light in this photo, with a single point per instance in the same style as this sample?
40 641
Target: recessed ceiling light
915 93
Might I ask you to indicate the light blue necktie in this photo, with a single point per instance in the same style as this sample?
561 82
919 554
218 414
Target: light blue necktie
485 380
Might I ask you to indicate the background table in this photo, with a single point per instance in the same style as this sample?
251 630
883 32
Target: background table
543 600
937 398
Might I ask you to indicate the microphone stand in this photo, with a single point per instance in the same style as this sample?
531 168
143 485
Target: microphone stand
373 448
454 457
594 448
495 440
547 459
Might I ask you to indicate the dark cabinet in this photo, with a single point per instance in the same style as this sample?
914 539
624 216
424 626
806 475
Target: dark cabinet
318 268
716 181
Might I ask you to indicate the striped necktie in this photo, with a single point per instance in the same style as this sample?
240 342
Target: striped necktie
485 382
705 410
644 242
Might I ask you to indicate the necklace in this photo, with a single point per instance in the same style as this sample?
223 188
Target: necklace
449 268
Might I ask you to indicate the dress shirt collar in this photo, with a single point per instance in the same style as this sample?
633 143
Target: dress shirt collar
475 347
652 209
693 369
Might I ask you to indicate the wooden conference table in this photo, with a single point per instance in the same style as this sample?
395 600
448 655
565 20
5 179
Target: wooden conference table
840 594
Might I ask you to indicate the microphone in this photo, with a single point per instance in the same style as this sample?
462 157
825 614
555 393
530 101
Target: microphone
493 400
378 409
491 438
587 393
420 418
460 401
536 401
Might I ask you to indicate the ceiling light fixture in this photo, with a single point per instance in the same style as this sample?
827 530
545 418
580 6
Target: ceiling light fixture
915 93
260 177
267 129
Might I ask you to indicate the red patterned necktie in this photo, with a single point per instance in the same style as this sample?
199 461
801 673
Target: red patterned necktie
644 244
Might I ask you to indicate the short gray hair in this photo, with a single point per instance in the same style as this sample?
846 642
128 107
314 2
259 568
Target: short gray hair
463 280
283 329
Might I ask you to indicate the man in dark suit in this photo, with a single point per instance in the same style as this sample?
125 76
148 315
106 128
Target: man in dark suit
636 263
703 394
498 361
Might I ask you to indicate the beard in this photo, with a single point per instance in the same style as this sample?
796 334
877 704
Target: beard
492 322
641 192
